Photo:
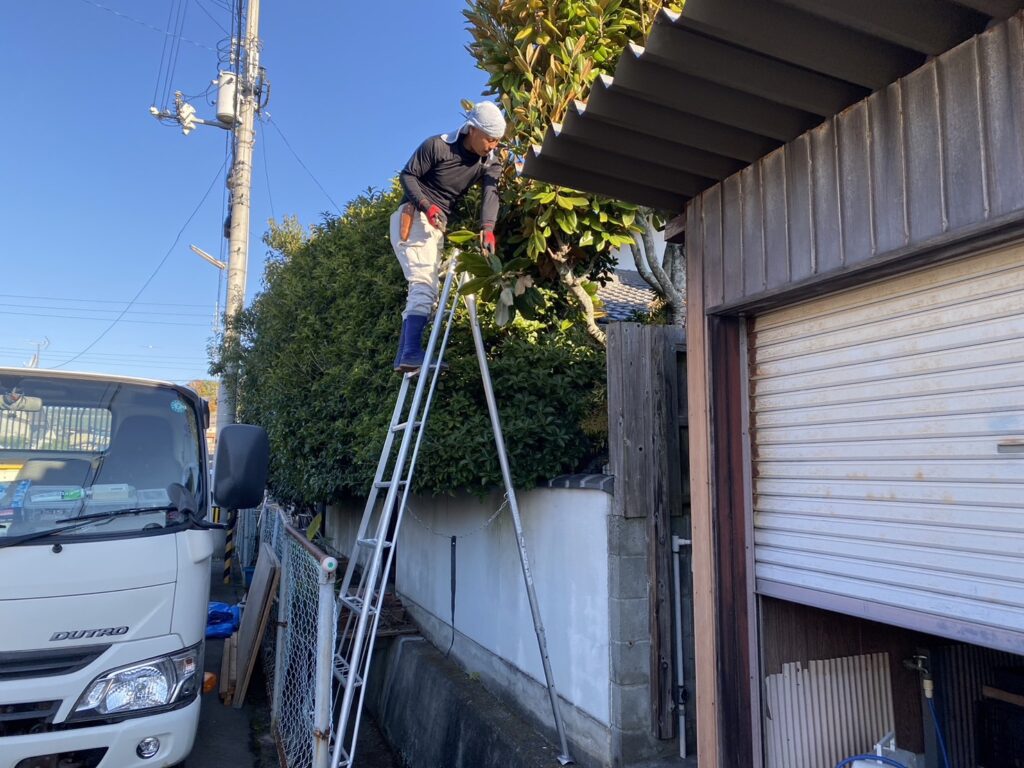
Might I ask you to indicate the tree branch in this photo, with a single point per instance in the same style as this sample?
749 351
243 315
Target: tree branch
575 287
669 291
641 267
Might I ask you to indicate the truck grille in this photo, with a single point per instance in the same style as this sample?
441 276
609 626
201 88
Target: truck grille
16 665
20 719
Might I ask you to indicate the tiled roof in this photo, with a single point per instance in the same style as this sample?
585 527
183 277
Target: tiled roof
625 295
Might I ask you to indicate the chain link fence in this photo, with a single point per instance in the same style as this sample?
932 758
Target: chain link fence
298 656
247 536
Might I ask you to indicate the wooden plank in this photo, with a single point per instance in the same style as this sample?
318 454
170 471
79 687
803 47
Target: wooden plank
732 238
826 215
752 267
255 617
223 686
700 507
1002 56
673 340
774 205
232 667
708 241
991 692
885 156
635 435
855 183
660 468
963 142
616 396
926 201
675 229
799 209
729 511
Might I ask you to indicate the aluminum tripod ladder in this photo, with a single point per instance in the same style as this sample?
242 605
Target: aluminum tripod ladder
362 590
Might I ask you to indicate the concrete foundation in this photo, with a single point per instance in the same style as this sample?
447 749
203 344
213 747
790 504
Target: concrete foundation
435 716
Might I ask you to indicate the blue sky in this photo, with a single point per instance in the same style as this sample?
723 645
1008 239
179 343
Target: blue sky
93 190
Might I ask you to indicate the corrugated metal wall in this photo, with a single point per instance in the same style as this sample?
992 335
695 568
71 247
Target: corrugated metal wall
885 423
835 708
960 672
934 157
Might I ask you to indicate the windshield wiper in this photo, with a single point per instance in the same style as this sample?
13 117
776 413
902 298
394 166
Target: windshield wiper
119 512
81 522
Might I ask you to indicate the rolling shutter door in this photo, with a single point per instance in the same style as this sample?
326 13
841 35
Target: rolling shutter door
887 436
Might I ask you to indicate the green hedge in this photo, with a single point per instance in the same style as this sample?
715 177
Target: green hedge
315 370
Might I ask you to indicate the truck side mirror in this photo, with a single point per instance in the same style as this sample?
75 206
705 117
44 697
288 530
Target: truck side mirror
240 469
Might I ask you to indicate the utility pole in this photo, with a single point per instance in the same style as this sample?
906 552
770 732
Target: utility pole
237 104
240 183
40 346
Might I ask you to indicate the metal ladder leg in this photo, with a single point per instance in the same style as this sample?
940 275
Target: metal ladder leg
499 441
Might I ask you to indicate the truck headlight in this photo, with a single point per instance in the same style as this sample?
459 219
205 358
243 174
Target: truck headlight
153 684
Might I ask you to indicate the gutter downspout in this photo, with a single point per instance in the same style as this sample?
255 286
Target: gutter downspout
678 543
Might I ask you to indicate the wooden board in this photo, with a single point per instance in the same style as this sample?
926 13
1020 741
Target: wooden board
702 530
255 616
227 669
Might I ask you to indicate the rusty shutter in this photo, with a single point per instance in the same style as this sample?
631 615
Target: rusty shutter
887 449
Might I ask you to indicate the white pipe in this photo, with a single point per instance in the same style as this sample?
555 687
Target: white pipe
325 624
677 545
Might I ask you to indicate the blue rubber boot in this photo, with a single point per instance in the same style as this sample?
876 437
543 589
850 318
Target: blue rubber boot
412 343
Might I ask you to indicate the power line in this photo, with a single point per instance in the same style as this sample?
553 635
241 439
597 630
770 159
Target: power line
276 128
210 15
108 311
18 296
266 173
126 17
154 273
175 49
163 54
103 319
115 356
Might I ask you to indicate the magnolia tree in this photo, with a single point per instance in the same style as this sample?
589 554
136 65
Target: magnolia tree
542 55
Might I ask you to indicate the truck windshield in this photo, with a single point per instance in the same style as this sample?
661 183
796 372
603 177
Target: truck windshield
75 448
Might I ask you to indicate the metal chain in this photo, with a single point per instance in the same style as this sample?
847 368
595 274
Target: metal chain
472 532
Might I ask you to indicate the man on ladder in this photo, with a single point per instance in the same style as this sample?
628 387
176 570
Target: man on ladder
437 175
440 171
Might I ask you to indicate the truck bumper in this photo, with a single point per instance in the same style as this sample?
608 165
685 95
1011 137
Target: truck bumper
176 731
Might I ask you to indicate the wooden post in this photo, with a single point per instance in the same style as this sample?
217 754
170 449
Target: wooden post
704 589
644 455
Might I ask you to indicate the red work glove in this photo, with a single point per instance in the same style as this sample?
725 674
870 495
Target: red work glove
436 217
487 241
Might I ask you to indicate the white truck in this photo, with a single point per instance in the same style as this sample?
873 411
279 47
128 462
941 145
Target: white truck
105 565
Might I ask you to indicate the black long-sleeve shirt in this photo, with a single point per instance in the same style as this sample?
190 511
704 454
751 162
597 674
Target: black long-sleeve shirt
439 173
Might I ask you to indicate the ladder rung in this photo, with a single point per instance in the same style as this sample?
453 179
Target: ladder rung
345 762
341 667
405 425
356 604
371 543
387 484
431 367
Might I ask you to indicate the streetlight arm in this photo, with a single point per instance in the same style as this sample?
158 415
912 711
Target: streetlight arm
207 257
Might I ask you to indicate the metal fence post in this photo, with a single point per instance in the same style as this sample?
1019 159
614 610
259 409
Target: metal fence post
283 615
325 629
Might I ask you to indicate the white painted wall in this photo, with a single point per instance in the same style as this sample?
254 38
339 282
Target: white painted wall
624 255
567 543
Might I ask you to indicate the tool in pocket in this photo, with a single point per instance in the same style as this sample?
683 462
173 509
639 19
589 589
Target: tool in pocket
405 227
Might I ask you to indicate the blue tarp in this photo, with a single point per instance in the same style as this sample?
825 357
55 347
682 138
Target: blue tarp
222 619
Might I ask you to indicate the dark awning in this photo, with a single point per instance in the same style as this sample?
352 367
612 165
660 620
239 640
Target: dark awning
728 81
